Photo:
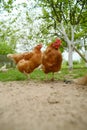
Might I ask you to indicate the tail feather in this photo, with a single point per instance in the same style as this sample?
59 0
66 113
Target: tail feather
9 56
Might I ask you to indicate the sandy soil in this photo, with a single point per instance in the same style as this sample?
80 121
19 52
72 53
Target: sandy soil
42 105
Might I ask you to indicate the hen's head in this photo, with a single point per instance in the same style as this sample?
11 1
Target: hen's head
39 46
56 44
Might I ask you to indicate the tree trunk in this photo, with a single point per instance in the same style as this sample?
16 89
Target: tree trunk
82 56
69 43
85 51
86 57
70 57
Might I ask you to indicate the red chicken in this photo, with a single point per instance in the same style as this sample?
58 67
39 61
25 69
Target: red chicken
28 64
52 58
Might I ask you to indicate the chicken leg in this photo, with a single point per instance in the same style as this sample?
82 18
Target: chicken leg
52 79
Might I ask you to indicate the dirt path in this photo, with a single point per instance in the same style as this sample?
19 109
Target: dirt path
31 105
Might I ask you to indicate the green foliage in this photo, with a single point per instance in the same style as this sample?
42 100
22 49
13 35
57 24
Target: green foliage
8 37
5 48
7 5
60 10
45 12
28 17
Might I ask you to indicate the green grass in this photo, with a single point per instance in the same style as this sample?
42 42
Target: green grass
11 74
14 75
76 64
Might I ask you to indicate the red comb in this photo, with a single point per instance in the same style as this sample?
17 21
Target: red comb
58 41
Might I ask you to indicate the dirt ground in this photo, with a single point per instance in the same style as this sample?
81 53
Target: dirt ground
42 105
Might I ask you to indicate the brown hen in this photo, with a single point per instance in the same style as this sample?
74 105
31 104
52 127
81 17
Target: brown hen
26 65
52 58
